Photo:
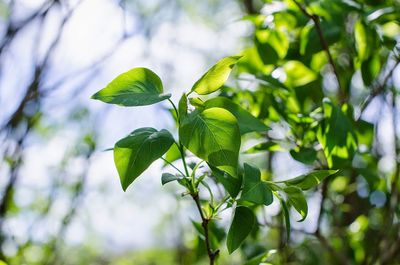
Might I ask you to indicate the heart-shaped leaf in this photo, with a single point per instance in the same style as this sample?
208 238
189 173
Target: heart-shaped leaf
247 122
254 189
214 136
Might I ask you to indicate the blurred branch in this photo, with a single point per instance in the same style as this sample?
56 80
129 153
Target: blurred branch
378 88
32 97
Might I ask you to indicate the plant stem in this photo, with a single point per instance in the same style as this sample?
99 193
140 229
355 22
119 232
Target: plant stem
172 165
204 223
195 195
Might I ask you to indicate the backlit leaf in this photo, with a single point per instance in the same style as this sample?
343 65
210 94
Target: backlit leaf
137 87
216 76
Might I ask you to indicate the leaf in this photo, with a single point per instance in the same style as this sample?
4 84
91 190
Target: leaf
261 258
232 185
137 87
265 146
247 122
336 136
310 180
360 36
214 136
135 153
216 76
242 224
183 106
254 189
296 198
167 177
304 155
297 74
285 211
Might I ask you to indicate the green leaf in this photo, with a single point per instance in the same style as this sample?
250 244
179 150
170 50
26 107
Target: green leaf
296 198
254 189
304 155
261 258
137 87
216 76
360 36
232 185
214 136
167 177
183 106
297 74
285 211
135 153
310 180
242 224
247 122
336 136
266 146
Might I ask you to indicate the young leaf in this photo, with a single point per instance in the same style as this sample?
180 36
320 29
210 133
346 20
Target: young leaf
137 87
135 153
167 177
242 224
216 76
214 136
254 189
310 180
247 122
296 198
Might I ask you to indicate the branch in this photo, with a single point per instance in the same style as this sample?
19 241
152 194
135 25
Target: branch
204 223
325 45
378 88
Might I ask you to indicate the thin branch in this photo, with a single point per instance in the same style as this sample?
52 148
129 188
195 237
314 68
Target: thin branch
212 254
325 45
378 89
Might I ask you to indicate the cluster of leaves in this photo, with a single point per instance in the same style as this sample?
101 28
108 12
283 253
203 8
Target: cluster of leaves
311 71
211 131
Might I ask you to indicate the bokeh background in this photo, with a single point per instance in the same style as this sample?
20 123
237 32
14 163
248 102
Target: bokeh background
62 201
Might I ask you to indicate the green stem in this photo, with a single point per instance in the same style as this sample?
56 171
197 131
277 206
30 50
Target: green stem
172 165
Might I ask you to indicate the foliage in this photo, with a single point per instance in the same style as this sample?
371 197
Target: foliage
312 69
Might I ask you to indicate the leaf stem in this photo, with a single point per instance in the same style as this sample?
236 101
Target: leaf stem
175 109
172 165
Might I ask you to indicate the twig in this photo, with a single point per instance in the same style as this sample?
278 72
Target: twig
212 254
325 45
377 89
